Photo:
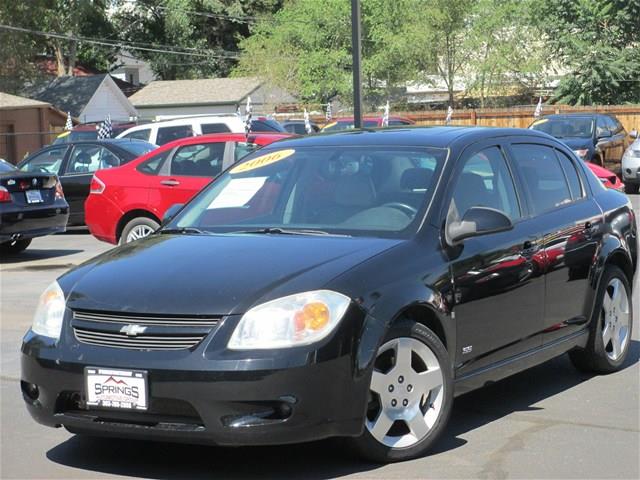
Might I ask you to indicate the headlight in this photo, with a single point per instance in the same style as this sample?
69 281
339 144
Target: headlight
581 153
291 321
47 320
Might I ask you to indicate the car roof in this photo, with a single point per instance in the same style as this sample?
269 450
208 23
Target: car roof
435 136
258 138
370 117
573 115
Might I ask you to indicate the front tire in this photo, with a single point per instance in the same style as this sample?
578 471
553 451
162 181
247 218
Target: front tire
14 247
611 325
138 228
410 398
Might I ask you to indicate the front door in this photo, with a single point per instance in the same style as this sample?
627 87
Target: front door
498 287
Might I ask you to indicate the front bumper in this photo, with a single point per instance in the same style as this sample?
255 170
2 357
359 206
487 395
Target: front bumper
209 394
29 222
631 172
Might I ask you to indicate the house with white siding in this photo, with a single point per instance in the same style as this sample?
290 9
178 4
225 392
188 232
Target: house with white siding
89 98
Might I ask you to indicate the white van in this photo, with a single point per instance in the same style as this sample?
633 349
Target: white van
169 130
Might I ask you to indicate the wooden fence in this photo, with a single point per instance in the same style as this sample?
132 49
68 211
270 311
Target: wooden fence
518 117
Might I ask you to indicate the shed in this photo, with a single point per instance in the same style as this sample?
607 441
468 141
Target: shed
26 125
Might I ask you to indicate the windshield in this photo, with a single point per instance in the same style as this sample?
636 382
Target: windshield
375 191
137 148
577 127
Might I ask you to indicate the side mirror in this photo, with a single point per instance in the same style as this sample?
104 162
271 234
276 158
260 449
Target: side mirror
475 222
171 212
634 133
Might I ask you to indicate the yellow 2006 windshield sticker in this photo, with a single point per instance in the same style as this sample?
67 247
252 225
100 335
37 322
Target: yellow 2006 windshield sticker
263 161
542 120
64 134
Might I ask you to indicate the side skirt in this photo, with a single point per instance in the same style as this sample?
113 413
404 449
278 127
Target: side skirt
518 363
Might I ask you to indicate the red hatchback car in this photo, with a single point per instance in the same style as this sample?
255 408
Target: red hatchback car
128 202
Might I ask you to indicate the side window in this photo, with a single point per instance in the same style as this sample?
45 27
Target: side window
485 181
603 127
398 122
46 162
572 175
84 159
613 125
542 175
108 159
152 165
202 160
139 134
169 134
242 149
214 128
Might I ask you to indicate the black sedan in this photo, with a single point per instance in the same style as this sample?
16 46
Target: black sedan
299 127
341 285
76 162
596 138
31 205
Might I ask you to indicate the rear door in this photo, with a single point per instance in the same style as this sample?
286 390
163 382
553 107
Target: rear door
188 169
571 224
85 159
498 287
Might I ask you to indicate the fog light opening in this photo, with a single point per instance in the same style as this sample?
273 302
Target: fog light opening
31 390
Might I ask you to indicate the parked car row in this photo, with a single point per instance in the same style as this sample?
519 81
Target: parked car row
127 199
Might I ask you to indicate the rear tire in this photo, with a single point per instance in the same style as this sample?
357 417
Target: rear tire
611 326
138 228
14 247
410 397
631 188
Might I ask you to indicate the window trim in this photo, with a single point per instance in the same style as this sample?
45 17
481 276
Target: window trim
575 167
158 173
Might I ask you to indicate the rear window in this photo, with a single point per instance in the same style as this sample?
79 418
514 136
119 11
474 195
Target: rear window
139 134
266 125
6 167
137 148
169 134
152 165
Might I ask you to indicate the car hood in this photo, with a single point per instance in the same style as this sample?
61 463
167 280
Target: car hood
211 274
577 143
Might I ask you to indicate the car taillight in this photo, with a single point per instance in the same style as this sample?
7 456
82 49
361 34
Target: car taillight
59 191
5 196
96 185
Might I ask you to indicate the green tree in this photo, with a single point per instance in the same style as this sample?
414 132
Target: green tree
207 32
306 48
597 40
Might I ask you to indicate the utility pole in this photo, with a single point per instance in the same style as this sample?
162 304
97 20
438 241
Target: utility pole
355 48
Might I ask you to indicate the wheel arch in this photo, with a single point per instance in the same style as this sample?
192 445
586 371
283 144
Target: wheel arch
130 215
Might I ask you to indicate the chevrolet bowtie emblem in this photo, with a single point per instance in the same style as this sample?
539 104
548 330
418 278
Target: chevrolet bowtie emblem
132 330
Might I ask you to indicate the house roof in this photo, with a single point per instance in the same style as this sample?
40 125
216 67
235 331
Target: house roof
69 94
8 101
206 91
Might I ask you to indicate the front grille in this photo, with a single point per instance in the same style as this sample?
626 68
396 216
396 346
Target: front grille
141 332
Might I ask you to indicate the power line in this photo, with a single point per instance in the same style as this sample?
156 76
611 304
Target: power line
234 18
119 44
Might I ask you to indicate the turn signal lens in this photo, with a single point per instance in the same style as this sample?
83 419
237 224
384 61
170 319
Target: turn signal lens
5 196
97 186
59 191
581 153
313 316
299 319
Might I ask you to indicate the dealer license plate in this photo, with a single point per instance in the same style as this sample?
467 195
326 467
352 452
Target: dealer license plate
121 389
34 196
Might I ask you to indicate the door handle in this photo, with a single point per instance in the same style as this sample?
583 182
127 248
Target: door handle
170 183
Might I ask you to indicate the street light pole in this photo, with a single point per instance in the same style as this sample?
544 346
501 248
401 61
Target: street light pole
355 47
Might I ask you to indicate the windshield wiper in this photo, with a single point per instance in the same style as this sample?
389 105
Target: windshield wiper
184 231
286 231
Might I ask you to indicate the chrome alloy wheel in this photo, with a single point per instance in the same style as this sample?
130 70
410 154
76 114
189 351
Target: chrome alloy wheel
406 393
138 232
615 319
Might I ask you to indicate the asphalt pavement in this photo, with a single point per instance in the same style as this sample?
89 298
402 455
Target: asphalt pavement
548 422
